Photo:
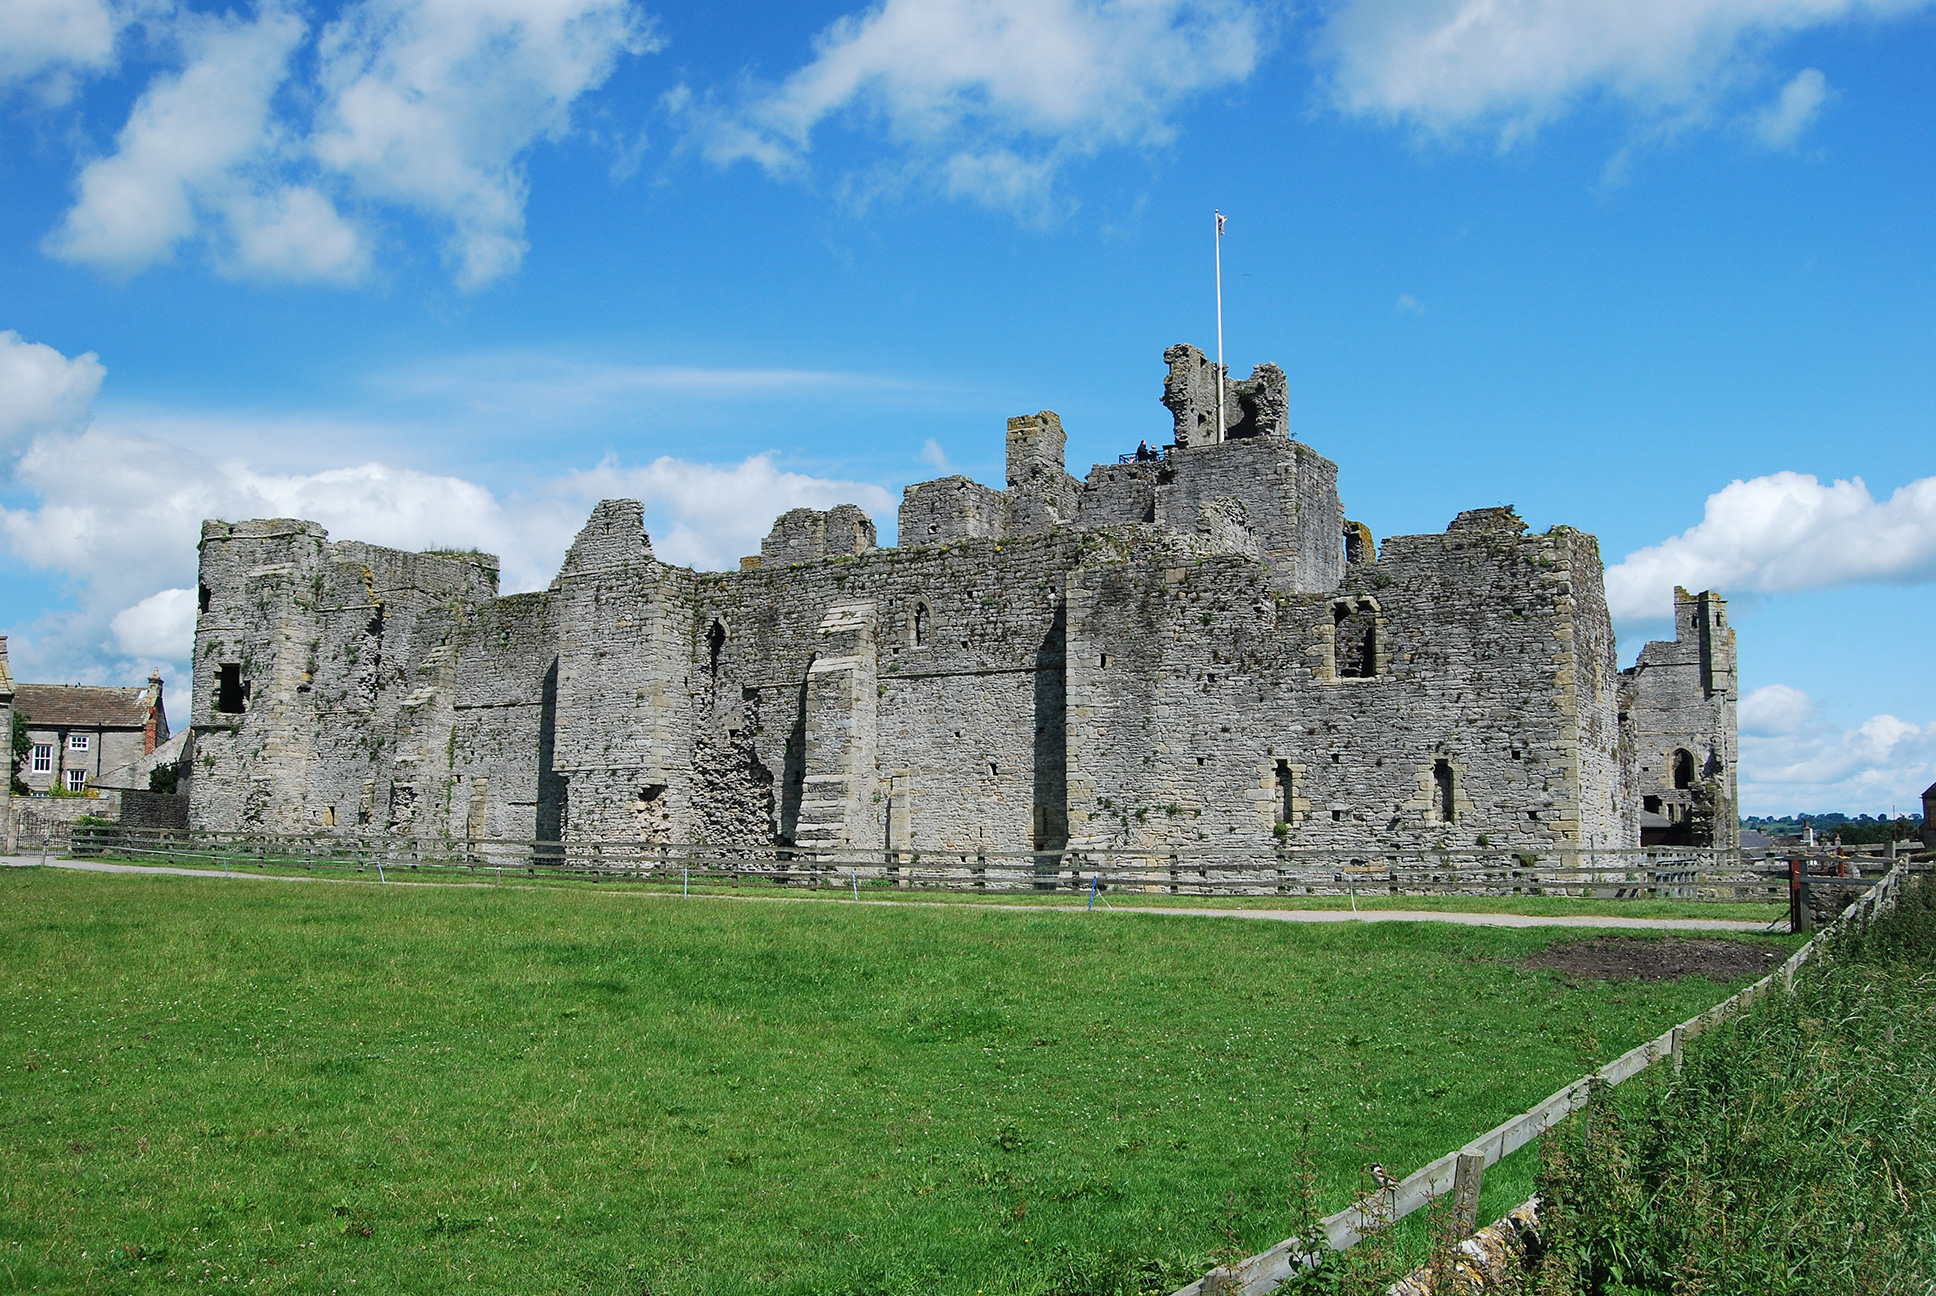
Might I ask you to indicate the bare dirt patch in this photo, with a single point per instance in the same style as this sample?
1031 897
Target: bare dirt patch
1665 959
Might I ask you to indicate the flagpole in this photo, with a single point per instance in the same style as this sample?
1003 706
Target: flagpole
1219 328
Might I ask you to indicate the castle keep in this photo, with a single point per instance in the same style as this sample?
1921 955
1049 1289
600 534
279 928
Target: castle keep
1196 652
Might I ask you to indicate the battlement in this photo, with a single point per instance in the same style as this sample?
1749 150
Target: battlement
1251 491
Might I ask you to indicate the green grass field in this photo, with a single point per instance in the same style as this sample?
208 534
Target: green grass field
345 1088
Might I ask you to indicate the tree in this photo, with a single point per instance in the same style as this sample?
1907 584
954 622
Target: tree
21 749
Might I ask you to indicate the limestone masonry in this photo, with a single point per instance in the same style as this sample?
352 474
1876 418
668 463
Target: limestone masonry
1196 652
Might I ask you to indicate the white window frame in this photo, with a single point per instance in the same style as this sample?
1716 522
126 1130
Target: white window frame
77 780
77 742
43 758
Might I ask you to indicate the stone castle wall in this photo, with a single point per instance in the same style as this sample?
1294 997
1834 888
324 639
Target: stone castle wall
1197 652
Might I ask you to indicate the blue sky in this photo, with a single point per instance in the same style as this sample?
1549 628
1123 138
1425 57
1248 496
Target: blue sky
448 271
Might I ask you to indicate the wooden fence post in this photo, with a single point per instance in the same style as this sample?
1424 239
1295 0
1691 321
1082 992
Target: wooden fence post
1799 919
1466 1178
1674 1046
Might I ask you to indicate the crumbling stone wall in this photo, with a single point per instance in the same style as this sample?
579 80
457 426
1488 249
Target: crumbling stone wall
6 737
1258 406
953 508
306 654
804 534
1197 652
1678 705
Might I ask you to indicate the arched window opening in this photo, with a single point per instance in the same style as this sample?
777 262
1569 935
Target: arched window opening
1683 769
1443 790
1355 640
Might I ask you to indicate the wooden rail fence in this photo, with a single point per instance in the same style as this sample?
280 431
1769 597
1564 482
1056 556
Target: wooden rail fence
1674 873
1460 1172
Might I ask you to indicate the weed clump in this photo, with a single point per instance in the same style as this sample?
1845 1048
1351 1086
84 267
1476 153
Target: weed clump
1795 1153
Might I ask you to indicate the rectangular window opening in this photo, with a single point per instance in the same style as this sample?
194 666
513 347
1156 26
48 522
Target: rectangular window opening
1285 791
77 742
76 780
43 758
228 688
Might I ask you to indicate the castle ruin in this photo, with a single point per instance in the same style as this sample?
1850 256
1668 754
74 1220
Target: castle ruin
1199 651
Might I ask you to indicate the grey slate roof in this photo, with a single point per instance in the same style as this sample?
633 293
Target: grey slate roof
81 706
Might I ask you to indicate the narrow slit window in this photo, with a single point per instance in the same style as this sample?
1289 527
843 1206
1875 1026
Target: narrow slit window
921 625
1286 791
1443 790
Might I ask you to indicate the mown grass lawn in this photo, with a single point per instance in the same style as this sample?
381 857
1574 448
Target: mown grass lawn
371 1089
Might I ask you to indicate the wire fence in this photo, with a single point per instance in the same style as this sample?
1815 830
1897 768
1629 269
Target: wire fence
1668 873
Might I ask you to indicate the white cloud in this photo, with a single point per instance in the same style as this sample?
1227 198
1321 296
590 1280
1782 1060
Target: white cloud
56 41
192 152
540 385
1514 65
1793 759
1775 710
160 627
431 104
41 390
1793 111
124 513
1408 305
292 233
268 131
988 97
1786 531
933 455
120 515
